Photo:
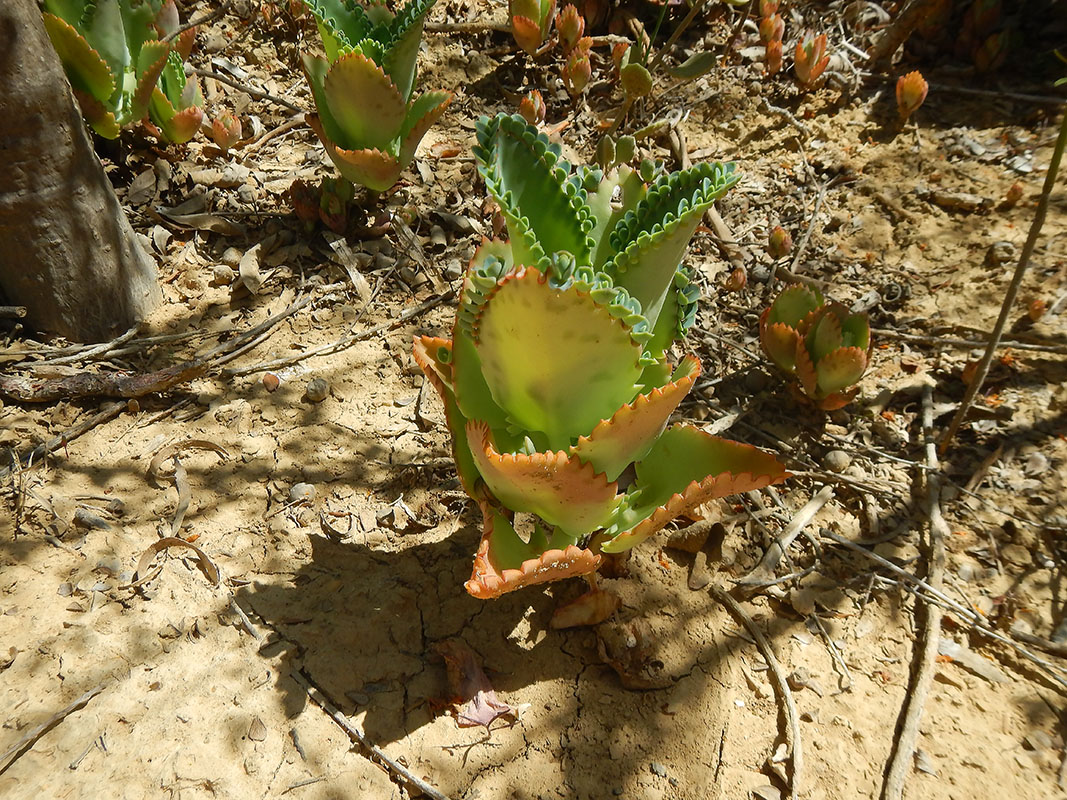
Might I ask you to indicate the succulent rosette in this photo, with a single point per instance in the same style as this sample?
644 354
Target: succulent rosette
557 382
367 118
531 21
113 53
824 345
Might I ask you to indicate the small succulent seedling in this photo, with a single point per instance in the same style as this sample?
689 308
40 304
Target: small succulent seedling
532 107
810 60
557 382
911 92
771 29
226 130
827 348
113 54
570 26
531 20
779 242
578 68
177 106
367 118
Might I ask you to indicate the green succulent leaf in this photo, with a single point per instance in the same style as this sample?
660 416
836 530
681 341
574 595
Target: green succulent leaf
650 240
84 66
364 102
342 24
856 331
402 46
434 357
545 212
840 369
610 199
631 432
685 468
793 305
559 488
538 345
824 333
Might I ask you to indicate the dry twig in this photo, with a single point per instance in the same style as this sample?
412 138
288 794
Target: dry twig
397 770
1013 288
901 763
785 694
28 739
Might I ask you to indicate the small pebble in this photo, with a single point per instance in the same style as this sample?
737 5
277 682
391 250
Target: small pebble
301 491
658 769
837 461
317 390
271 381
231 257
221 275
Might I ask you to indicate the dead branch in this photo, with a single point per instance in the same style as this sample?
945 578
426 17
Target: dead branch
764 571
98 384
27 740
12 312
397 770
785 694
881 54
904 751
1013 288
104 415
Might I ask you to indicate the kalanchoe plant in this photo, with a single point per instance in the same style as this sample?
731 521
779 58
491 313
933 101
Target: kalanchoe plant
827 348
226 130
113 53
531 20
810 60
367 119
557 383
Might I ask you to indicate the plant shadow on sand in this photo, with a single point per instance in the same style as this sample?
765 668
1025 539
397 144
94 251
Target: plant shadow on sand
362 624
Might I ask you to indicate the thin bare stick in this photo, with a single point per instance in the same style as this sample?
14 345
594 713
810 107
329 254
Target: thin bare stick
476 26
1040 99
1013 288
204 20
97 350
785 694
346 340
904 751
764 571
12 312
898 32
27 740
696 8
802 245
967 344
930 594
396 769
262 95
107 413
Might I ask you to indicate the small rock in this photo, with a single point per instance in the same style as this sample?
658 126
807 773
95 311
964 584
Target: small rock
271 381
317 390
1016 554
221 275
300 492
1037 739
658 769
755 380
231 257
837 461
1000 253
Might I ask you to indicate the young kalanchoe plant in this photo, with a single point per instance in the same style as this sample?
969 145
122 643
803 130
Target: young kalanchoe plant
226 130
911 92
113 54
810 59
367 119
578 68
771 29
779 242
773 57
569 26
531 20
532 107
827 348
177 106
556 383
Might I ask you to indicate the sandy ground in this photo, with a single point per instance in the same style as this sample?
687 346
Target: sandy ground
343 540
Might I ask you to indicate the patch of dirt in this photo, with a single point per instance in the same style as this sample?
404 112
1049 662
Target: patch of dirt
343 538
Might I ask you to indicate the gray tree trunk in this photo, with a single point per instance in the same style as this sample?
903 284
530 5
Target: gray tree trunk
67 252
